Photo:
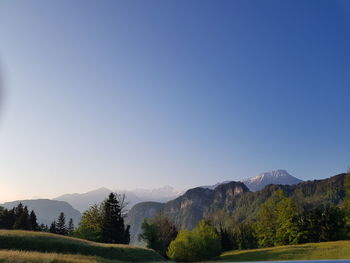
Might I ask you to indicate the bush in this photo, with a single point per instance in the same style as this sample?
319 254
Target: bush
158 233
202 243
90 226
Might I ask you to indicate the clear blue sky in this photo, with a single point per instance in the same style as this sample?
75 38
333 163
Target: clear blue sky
128 94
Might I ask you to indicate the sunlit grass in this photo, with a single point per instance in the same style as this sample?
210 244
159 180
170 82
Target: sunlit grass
46 242
310 251
15 256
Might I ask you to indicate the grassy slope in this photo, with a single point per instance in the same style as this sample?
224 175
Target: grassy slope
46 242
310 251
15 256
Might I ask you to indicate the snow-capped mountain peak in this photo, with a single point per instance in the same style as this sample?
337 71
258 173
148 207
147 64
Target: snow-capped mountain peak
273 177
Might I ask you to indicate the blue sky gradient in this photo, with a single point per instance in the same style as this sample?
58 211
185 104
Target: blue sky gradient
128 94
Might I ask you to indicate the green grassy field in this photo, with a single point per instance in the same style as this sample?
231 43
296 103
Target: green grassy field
15 256
37 247
46 247
310 251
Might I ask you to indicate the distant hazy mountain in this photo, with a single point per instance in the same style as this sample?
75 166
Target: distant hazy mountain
162 194
83 201
48 210
274 177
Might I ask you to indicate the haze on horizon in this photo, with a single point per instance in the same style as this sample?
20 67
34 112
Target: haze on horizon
142 94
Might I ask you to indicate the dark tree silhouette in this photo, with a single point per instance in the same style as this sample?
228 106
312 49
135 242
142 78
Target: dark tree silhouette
158 233
61 225
22 218
53 228
33 224
113 228
70 228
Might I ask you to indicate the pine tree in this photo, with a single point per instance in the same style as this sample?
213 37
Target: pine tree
44 228
61 225
7 219
18 210
22 218
53 228
70 228
127 235
113 228
33 224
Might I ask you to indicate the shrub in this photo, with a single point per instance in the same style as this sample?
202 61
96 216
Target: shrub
158 233
202 243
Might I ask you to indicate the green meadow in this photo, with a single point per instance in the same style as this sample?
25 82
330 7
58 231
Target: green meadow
26 246
38 247
309 251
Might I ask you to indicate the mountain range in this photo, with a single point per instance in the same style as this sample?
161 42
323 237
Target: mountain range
260 181
185 208
234 198
83 201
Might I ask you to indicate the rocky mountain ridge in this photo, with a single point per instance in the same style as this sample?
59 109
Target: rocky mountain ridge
187 209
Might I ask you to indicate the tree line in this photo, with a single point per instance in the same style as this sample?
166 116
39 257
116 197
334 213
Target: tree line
20 218
101 223
59 226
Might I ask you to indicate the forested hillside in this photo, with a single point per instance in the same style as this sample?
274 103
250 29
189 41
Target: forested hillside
234 199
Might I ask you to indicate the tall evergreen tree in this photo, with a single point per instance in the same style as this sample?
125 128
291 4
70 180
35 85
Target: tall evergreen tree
127 235
18 210
53 228
61 225
113 228
7 218
33 224
22 218
70 228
